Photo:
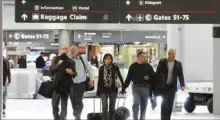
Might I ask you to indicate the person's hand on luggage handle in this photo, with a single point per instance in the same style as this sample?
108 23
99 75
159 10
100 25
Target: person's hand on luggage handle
91 83
123 91
60 62
69 71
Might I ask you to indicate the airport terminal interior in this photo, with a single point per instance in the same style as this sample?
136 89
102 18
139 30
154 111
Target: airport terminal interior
197 48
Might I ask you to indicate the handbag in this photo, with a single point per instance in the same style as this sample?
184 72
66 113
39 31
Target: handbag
118 83
46 89
87 87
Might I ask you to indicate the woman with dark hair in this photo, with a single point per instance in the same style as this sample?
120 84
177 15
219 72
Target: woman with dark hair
109 74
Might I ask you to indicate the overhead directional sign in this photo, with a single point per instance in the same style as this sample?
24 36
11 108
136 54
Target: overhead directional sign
118 11
27 35
67 11
170 11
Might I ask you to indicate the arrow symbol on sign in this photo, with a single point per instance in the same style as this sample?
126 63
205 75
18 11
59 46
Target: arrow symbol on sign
129 17
24 16
10 36
128 2
23 1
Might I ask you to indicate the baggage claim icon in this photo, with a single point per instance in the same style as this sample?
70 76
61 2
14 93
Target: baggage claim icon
148 17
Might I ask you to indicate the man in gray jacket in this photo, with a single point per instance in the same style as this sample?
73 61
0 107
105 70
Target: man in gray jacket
78 87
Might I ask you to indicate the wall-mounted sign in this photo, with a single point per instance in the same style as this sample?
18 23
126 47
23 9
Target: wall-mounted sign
27 35
145 36
67 11
97 36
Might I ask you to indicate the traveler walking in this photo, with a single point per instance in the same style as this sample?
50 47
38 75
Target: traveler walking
167 72
22 62
109 75
141 74
78 86
63 71
6 82
40 63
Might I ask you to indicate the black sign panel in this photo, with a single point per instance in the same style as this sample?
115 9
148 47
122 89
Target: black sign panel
145 36
27 35
67 11
170 11
97 36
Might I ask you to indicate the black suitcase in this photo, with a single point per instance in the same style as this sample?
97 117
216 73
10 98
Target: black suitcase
122 113
46 89
94 115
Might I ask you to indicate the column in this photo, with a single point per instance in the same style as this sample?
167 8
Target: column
174 39
216 75
65 38
1 62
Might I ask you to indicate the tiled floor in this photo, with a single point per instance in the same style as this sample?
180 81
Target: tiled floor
41 109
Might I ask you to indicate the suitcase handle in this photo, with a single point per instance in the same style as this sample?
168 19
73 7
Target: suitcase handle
95 105
124 98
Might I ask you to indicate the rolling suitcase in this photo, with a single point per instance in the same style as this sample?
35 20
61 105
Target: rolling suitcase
94 115
122 113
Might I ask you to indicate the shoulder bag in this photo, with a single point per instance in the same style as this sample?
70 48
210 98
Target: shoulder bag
87 87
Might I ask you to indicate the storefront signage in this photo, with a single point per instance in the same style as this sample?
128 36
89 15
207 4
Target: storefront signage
97 36
118 11
67 11
27 35
145 36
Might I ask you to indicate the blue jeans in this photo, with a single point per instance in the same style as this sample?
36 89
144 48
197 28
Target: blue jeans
76 97
4 97
140 99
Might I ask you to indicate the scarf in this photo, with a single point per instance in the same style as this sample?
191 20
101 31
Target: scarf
108 76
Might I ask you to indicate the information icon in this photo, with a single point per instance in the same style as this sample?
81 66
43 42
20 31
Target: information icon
36 7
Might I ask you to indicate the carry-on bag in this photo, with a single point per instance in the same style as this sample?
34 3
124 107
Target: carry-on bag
46 89
94 115
122 113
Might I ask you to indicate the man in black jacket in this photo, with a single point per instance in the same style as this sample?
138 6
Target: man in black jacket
63 70
6 81
167 72
141 74
40 63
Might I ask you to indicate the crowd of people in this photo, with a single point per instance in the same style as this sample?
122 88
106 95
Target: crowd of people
145 82
70 74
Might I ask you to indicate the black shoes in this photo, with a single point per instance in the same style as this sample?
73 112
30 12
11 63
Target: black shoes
4 114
